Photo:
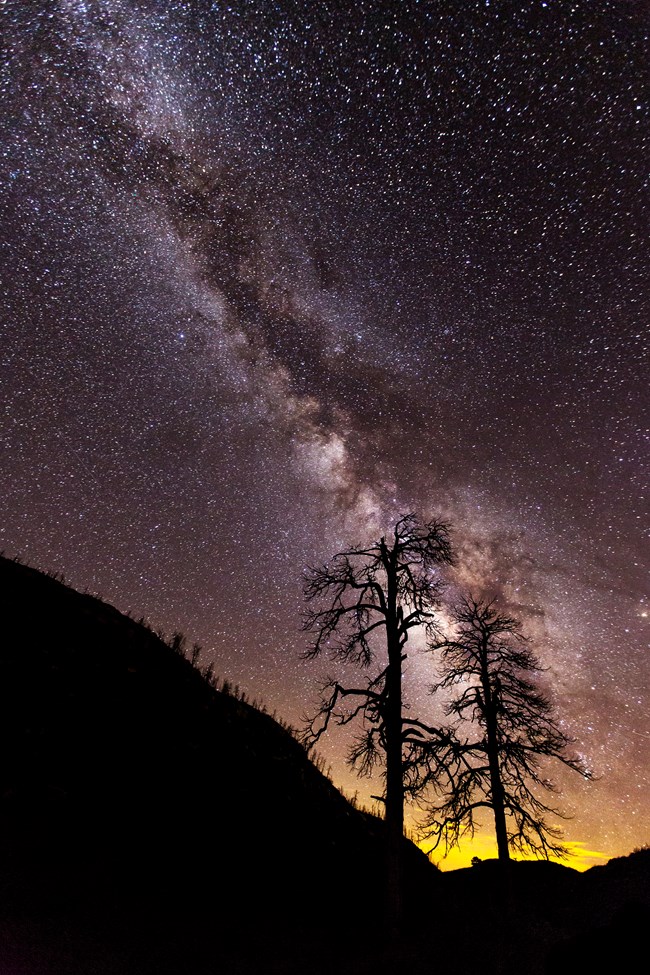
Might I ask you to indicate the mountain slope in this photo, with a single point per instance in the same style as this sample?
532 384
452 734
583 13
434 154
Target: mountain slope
126 775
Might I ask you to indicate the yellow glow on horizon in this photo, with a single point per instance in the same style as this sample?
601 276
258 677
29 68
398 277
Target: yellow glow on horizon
484 846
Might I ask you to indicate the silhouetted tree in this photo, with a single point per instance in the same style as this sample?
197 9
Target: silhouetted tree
373 597
500 766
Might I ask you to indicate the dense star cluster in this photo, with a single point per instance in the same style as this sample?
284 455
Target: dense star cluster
275 273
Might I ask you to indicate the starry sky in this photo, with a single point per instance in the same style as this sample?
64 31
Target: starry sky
274 273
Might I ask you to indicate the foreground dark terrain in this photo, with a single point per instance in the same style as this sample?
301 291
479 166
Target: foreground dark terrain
152 824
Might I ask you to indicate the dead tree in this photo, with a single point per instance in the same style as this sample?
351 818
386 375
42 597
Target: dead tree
367 600
498 763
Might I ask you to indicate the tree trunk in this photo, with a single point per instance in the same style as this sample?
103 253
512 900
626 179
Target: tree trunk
497 801
496 787
394 781
394 800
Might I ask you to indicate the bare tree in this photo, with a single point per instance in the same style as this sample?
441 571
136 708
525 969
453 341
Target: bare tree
373 597
499 767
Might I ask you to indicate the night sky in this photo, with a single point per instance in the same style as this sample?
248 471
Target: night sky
274 273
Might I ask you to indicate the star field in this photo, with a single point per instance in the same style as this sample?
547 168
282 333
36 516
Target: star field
274 273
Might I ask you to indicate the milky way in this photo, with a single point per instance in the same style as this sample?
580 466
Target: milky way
274 273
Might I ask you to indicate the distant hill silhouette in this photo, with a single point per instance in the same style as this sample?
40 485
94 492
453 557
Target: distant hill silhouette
152 824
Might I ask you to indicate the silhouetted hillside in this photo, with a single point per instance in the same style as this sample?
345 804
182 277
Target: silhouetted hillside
151 824
129 783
